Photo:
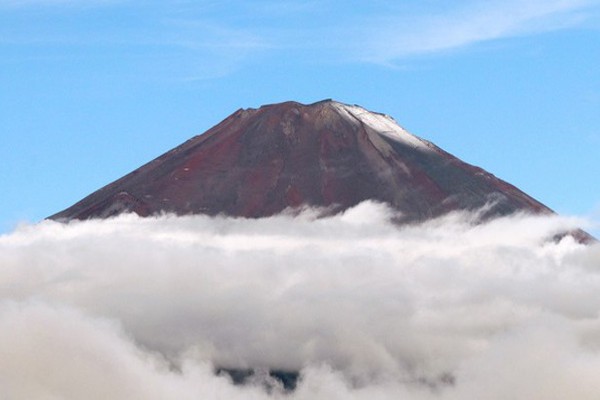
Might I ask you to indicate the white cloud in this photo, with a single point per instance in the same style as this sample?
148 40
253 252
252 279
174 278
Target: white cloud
362 308
396 36
203 40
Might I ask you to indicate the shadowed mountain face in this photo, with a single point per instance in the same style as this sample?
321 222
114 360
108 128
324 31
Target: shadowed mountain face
259 162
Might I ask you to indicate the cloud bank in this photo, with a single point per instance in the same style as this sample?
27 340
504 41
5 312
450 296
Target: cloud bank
132 308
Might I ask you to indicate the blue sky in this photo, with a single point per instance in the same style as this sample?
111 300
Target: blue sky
90 90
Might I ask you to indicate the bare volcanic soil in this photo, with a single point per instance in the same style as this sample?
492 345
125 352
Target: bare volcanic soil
259 162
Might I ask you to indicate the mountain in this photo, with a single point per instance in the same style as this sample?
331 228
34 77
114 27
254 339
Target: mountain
259 162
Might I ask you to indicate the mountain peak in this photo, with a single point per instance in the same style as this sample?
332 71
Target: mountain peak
259 162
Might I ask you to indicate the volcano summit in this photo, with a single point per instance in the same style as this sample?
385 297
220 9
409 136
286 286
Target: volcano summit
259 162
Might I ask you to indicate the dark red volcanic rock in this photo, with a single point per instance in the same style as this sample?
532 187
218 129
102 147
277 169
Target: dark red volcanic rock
258 162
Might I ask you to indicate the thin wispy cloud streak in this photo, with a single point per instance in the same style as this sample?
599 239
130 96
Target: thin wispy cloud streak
175 41
209 40
361 307
387 38
21 4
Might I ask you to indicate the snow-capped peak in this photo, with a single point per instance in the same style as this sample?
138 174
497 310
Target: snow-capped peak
382 124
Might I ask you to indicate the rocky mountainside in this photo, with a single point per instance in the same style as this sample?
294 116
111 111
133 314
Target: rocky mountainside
258 162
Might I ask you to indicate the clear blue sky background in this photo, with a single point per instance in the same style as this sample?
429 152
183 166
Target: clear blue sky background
90 90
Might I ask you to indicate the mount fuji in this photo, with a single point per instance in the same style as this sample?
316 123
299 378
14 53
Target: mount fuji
329 155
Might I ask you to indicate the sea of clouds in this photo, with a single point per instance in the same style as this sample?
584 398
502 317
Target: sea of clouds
147 308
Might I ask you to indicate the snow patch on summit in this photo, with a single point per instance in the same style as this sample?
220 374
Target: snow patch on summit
382 124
